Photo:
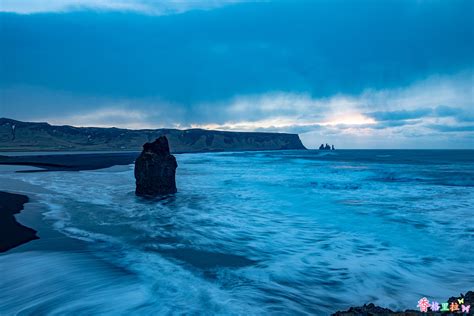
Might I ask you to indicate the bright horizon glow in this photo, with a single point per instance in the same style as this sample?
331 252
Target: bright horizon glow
349 119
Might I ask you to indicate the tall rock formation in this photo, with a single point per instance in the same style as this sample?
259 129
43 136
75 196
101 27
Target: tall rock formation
155 169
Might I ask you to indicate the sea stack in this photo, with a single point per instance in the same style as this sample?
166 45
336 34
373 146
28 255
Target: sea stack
155 169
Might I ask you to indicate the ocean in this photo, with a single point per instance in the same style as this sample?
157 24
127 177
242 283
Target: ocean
255 233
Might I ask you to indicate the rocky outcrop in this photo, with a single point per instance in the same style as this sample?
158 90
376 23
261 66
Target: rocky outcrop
366 309
327 147
155 169
463 304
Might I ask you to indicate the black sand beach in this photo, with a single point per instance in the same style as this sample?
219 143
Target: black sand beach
12 233
70 162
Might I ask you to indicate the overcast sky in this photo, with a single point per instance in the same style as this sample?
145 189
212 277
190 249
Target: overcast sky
359 74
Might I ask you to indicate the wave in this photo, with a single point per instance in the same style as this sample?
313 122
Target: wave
249 233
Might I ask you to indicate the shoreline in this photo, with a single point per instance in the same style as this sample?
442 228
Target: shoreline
78 161
23 226
69 162
13 233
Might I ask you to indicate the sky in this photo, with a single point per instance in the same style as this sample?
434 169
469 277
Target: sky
356 74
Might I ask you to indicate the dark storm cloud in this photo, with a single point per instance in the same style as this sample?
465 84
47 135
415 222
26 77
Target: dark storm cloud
347 68
451 128
323 47
394 123
460 114
404 117
400 115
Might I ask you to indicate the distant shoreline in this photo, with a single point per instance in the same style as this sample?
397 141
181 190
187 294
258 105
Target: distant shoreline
37 152
69 162
77 161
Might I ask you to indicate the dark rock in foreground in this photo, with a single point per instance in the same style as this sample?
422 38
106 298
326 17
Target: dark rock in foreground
155 169
12 233
367 309
373 310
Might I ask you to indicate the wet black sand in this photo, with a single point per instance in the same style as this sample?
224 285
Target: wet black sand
70 162
12 233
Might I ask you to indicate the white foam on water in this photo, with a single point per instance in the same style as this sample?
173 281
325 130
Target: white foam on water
308 249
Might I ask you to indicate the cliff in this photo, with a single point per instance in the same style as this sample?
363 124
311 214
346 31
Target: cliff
27 136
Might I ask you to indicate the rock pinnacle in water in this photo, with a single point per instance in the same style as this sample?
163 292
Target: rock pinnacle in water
155 169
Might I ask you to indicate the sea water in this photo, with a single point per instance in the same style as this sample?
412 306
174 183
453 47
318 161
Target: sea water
283 232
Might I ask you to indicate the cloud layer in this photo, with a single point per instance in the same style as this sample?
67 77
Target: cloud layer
356 73
161 7
439 106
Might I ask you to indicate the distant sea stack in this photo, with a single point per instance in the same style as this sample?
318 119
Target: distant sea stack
327 147
155 169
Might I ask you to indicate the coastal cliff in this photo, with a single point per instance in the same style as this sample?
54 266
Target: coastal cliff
27 136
